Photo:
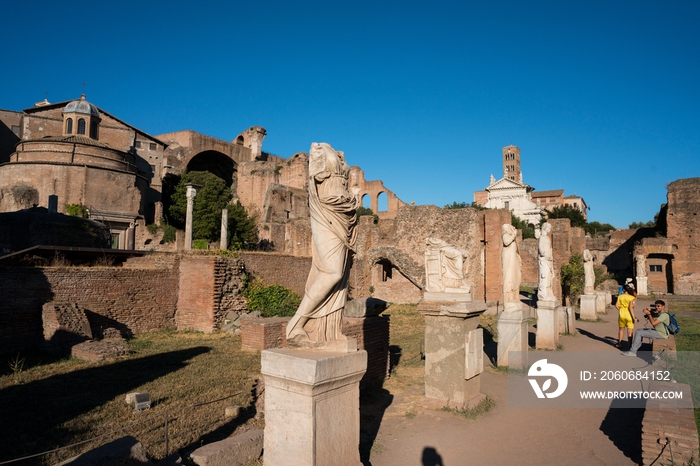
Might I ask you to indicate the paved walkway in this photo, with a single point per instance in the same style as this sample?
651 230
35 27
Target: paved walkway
511 436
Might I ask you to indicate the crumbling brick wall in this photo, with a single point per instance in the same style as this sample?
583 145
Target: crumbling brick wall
278 269
683 232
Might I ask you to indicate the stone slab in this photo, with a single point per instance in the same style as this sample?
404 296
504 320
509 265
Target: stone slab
474 365
126 450
446 296
364 307
603 298
312 407
239 450
452 308
513 339
589 307
567 320
547 325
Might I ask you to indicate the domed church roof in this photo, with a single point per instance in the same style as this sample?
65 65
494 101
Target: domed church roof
82 106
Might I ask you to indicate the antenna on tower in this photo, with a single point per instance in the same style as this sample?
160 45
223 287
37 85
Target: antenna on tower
84 84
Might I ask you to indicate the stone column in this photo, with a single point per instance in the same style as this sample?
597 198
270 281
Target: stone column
224 229
589 307
513 338
131 237
453 351
547 324
191 193
312 407
567 320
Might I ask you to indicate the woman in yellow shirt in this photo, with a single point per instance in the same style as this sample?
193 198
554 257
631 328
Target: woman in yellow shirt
626 318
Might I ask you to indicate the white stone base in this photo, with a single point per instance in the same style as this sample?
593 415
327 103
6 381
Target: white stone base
567 320
312 407
547 325
589 307
642 289
603 298
454 295
512 339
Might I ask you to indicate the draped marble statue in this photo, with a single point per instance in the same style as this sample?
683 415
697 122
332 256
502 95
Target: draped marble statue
444 267
641 267
545 262
333 233
588 273
511 267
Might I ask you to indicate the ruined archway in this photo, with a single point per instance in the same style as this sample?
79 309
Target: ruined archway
217 163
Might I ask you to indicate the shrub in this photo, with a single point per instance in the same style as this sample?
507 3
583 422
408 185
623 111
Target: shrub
152 228
77 210
169 234
572 277
200 244
270 300
367 211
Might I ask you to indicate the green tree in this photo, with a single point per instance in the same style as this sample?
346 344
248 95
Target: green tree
522 225
570 212
636 225
597 227
572 277
242 228
462 205
367 211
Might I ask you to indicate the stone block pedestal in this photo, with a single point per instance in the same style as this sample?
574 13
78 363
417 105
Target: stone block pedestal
601 302
547 325
513 338
567 320
642 288
453 351
312 407
589 307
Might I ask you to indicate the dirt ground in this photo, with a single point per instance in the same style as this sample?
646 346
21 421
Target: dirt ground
512 436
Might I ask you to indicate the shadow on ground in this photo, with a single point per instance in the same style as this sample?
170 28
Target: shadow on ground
623 426
373 404
45 405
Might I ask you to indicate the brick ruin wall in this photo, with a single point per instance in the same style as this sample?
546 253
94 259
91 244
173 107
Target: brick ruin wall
278 269
683 232
135 299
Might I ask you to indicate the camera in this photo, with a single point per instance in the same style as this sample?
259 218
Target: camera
653 311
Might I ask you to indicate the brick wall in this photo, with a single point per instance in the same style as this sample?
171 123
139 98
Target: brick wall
209 287
262 333
683 232
137 300
491 284
279 269
668 433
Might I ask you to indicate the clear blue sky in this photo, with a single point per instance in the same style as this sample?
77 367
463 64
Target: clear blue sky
602 97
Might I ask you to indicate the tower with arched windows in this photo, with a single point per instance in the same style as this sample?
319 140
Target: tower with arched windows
511 163
81 118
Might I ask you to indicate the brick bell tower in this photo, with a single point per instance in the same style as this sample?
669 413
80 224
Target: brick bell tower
511 163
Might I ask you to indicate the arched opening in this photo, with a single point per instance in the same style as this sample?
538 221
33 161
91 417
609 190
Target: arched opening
69 126
382 202
391 285
217 163
81 126
366 201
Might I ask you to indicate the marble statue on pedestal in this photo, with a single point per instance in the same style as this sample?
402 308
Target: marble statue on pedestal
444 267
511 267
333 219
641 267
588 273
545 262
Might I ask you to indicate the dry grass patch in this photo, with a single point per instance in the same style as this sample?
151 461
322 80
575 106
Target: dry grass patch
68 401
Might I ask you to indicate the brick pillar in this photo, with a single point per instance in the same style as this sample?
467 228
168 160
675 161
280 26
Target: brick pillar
491 222
196 303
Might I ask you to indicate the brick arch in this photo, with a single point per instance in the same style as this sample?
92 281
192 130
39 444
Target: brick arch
373 189
215 162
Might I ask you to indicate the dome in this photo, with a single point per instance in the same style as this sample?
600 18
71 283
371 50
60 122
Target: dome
82 106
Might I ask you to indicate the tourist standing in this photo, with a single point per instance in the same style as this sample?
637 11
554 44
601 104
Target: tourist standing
626 317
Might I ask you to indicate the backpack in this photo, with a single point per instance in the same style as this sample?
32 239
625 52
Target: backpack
673 327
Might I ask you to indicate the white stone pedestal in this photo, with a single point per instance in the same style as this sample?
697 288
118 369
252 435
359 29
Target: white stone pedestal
589 307
453 351
312 407
512 338
547 325
567 320
642 289
601 302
